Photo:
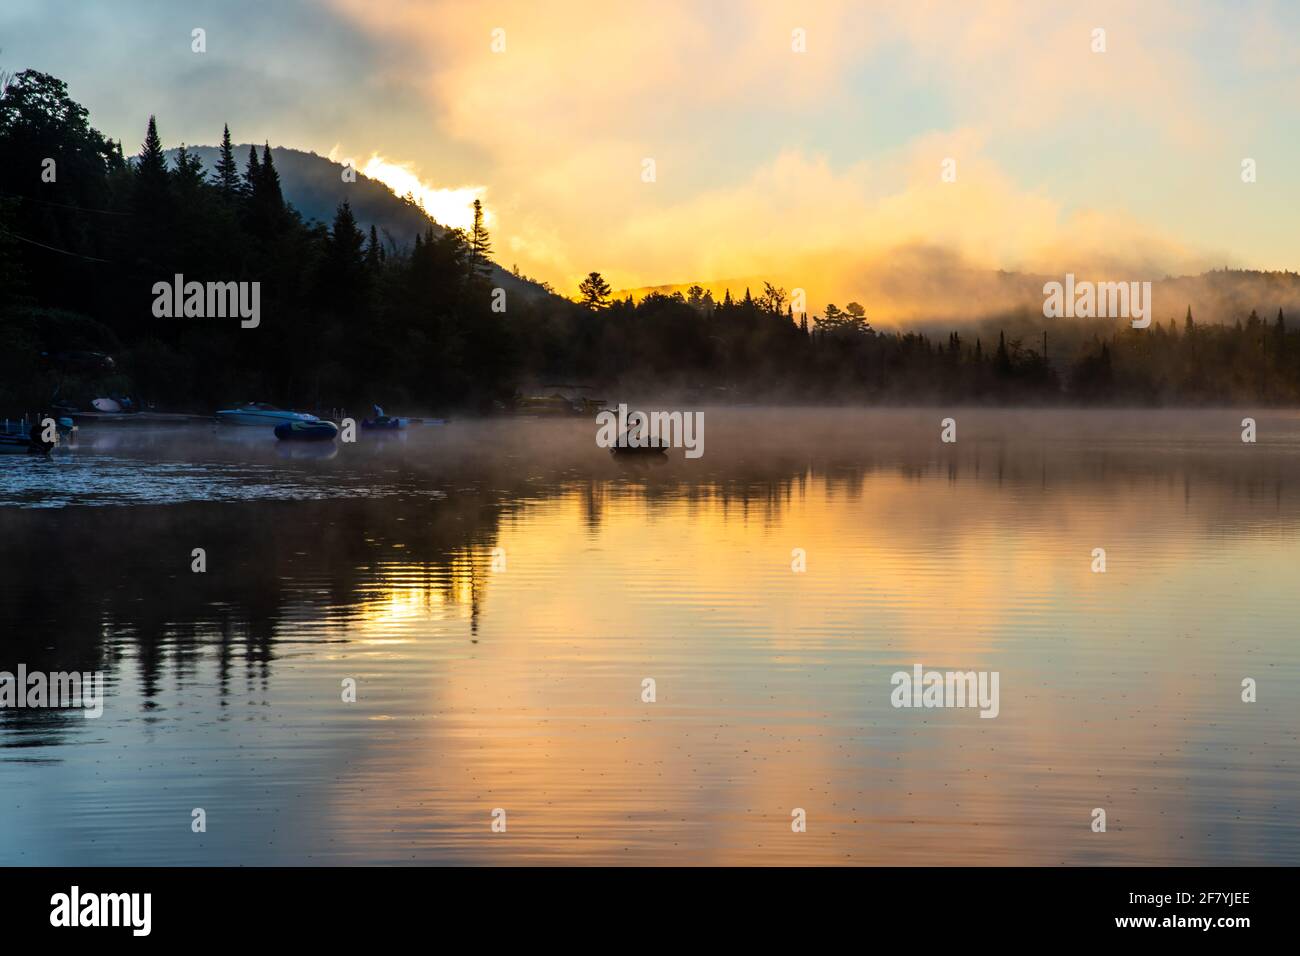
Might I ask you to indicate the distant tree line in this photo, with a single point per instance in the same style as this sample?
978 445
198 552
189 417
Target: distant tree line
85 233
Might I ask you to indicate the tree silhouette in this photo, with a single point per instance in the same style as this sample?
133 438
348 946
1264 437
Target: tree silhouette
226 175
773 299
344 277
409 320
188 174
151 167
594 291
480 244
270 180
252 172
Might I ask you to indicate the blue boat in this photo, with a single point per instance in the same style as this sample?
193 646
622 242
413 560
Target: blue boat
318 430
260 413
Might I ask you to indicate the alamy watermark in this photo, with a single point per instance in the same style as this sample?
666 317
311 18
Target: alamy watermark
208 300
75 908
1098 300
636 429
922 688
37 689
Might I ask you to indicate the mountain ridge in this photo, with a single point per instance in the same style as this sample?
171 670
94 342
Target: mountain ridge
314 185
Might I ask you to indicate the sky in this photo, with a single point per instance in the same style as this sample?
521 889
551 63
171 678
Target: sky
799 141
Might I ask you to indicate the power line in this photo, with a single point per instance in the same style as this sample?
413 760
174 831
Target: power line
62 252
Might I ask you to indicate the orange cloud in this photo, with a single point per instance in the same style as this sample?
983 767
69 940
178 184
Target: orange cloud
583 92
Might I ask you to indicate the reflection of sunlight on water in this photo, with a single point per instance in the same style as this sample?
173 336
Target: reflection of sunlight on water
396 608
520 688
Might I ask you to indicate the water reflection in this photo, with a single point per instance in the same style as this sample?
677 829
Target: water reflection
519 687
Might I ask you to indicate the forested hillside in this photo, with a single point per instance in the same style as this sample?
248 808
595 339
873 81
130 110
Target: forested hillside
350 315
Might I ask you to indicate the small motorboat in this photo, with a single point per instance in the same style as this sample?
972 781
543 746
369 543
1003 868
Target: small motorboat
315 430
385 423
260 413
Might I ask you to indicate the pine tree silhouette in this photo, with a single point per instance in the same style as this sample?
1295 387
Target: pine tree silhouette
480 244
226 174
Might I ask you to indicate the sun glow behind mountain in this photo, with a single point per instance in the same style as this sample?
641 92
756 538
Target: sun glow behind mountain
559 121
450 207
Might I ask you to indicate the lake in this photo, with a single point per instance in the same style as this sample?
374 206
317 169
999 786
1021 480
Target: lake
500 593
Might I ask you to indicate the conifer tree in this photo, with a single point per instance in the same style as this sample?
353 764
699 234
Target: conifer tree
226 175
594 291
252 173
480 244
273 196
344 280
188 174
151 166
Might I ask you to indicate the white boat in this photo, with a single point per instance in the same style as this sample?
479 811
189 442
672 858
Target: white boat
260 413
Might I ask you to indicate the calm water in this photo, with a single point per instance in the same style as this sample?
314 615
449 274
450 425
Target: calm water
520 687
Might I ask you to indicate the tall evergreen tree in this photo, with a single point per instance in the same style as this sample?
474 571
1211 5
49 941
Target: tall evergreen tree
344 278
226 175
265 207
252 173
480 244
151 223
1002 359
274 197
346 240
151 167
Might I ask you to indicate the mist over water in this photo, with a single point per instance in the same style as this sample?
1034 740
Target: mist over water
520 687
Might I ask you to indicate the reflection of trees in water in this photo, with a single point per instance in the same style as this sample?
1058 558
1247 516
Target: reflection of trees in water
1053 465
85 587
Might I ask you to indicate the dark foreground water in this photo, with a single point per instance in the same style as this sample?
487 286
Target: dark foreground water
499 592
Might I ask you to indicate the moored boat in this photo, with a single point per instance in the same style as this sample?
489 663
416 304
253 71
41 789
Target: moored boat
385 423
260 413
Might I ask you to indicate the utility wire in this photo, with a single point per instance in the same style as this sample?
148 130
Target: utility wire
63 252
